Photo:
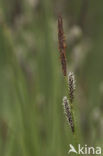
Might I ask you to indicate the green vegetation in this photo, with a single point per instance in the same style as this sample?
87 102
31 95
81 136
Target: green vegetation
32 121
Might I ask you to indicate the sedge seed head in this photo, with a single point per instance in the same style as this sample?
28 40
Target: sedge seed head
72 86
68 113
62 44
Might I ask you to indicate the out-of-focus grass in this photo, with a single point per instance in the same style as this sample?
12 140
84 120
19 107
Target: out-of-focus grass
31 84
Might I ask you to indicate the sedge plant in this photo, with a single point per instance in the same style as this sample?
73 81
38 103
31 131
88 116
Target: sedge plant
69 80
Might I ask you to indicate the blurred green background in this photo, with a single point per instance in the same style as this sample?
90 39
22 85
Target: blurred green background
32 121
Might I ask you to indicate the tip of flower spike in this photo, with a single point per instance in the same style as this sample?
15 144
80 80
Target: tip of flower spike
71 77
59 17
64 98
70 74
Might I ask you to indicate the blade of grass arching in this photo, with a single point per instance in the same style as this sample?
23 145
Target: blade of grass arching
5 46
18 79
47 73
26 112
44 78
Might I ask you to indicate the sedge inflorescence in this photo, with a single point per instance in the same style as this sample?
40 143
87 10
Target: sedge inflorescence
67 112
69 79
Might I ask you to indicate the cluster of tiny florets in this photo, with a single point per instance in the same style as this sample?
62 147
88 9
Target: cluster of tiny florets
71 83
68 112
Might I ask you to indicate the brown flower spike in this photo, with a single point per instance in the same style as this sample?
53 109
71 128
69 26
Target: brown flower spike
62 45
